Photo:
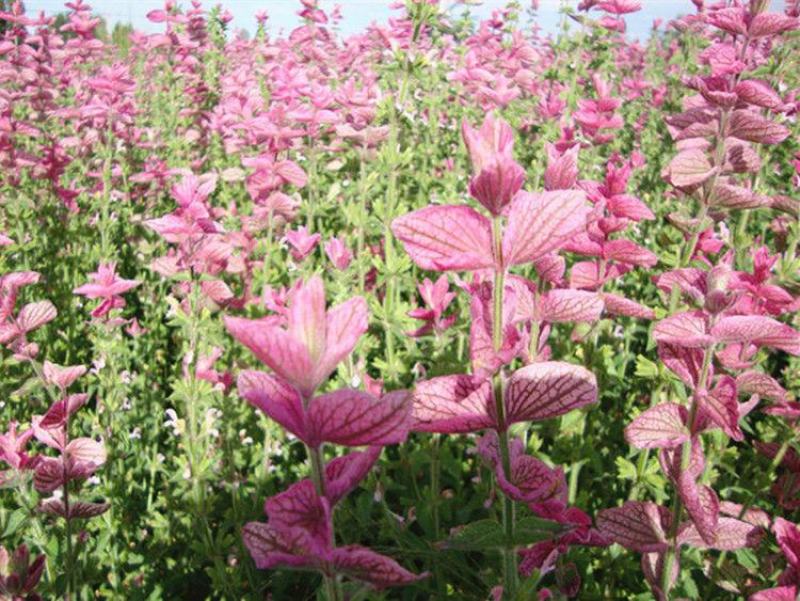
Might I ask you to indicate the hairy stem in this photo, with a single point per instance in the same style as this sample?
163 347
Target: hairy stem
509 554
673 552
317 461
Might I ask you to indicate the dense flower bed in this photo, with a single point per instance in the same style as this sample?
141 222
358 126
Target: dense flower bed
447 308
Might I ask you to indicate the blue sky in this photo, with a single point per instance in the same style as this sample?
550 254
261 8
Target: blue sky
357 13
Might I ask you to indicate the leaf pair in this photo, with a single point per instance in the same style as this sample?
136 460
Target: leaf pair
463 403
458 238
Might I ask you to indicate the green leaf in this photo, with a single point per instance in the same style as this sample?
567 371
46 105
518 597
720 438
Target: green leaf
533 530
477 536
626 469
645 368
15 520
489 534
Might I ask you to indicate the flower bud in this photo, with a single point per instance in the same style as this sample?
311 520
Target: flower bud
719 297
497 183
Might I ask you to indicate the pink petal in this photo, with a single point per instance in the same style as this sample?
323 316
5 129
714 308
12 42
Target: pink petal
661 426
684 329
541 223
86 450
766 24
344 473
217 291
157 16
57 413
373 568
585 274
756 517
701 504
299 507
276 348
34 315
690 168
566 305
671 461
452 404
636 525
356 418
630 207
60 376
275 398
292 173
686 363
752 127
767 387
271 547
690 281
779 593
446 238
531 480
547 389
169 226
77 509
788 536
307 318
619 305
721 407
49 474
758 93
731 534
626 251
728 19
345 325
550 268
736 197
760 330
562 169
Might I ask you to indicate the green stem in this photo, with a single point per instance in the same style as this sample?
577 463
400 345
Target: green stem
435 474
673 551
318 478
69 564
641 464
362 218
509 553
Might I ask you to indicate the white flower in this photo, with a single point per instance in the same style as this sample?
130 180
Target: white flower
174 422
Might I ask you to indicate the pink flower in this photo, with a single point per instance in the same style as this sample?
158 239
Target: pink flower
497 176
19 576
338 253
306 346
299 531
108 286
302 242
13 329
13 452
437 298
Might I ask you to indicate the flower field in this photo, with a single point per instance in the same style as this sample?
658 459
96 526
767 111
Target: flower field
449 308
